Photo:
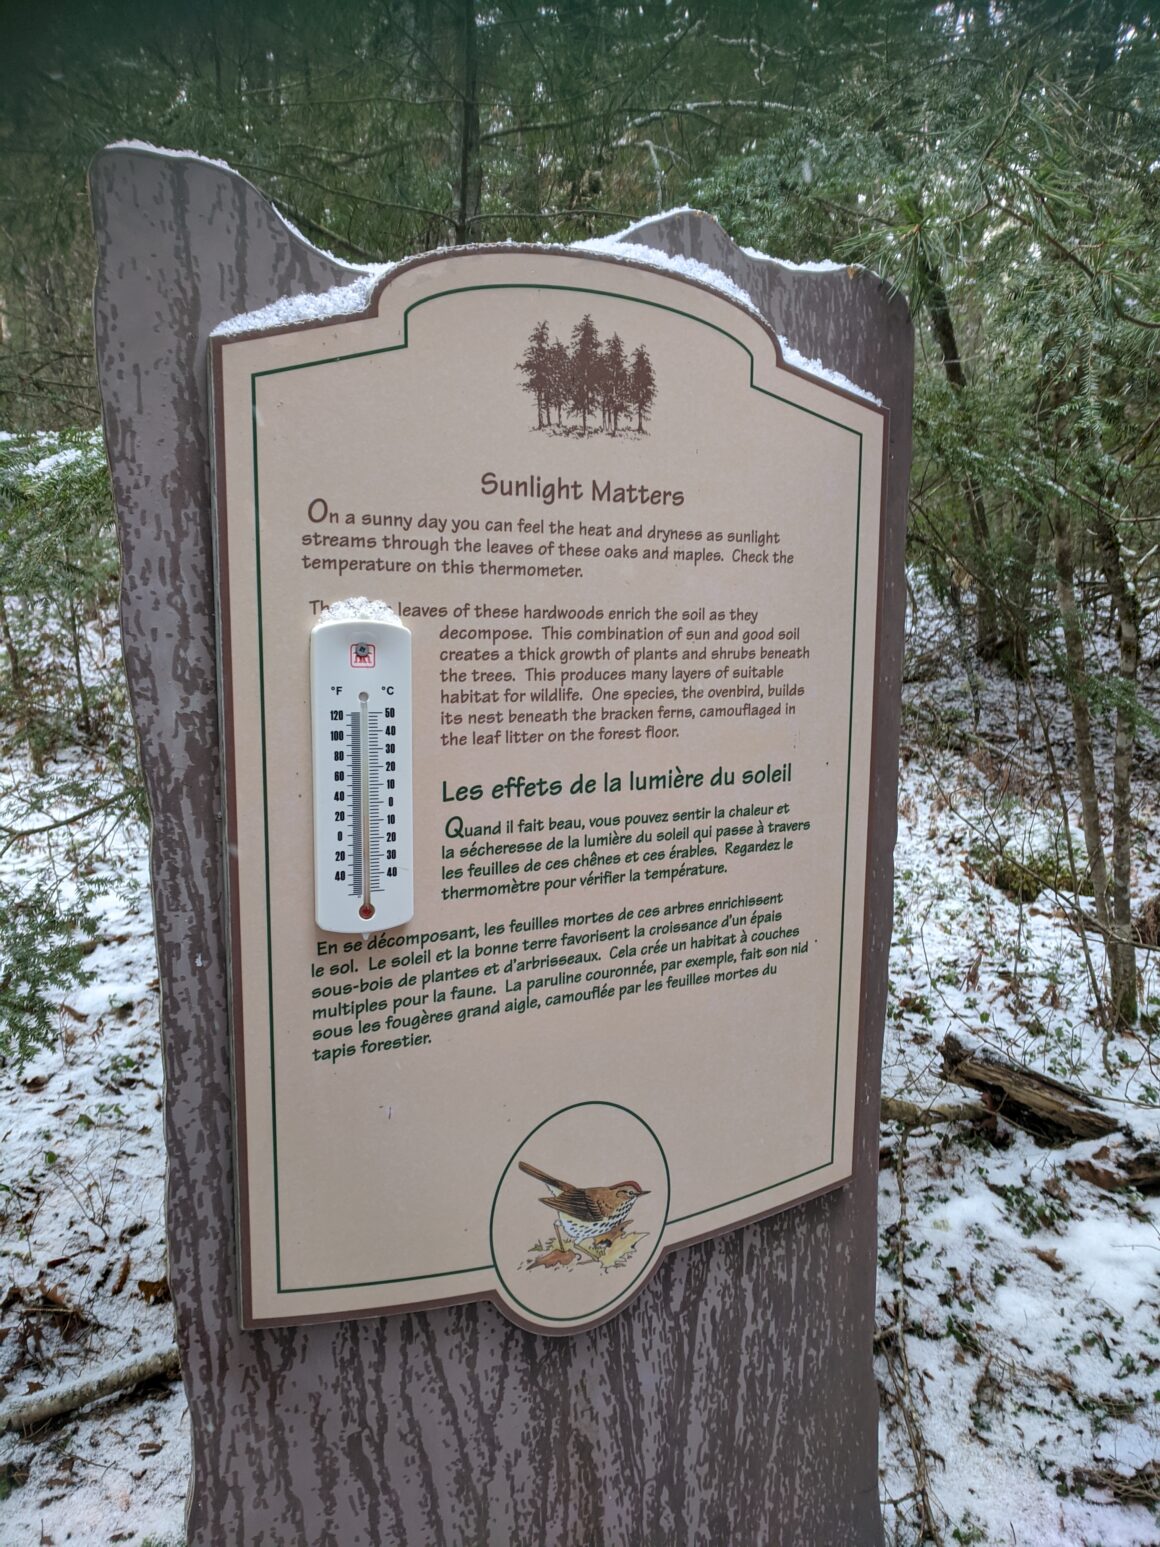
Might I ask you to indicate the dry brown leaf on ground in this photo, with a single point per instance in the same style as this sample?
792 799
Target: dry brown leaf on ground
1050 1256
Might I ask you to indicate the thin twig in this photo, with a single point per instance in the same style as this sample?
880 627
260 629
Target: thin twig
898 1363
30 1412
15 835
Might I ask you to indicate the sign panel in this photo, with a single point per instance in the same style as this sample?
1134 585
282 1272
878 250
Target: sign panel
590 869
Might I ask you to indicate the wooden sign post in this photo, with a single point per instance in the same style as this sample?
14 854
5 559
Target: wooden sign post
558 624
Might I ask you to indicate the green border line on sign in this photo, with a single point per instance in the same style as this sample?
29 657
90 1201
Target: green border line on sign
255 377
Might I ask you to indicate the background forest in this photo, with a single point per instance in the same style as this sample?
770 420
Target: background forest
998 164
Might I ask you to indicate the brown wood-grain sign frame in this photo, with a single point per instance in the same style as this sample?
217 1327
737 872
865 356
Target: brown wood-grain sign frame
732 1400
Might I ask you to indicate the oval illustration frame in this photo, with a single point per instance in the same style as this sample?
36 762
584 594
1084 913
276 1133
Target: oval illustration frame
538 1320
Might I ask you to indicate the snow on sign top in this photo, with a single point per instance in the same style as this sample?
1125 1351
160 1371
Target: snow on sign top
670 263
352 299
293 310
355 608
624 777
810 266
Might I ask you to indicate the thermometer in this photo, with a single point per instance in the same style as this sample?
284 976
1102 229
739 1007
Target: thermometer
360 702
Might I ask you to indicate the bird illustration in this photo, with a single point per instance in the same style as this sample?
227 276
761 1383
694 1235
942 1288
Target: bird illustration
587 1217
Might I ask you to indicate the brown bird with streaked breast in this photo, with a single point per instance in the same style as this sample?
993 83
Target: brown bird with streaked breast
587 1215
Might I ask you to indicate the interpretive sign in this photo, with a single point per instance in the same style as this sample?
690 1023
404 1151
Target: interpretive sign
593 861
735 1393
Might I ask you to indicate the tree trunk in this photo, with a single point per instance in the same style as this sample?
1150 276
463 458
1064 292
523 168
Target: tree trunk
986 616
84 716
1017 598
15 664
470 180
1077 683
1122 950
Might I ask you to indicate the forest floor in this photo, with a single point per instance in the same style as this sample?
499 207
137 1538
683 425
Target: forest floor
1018 1339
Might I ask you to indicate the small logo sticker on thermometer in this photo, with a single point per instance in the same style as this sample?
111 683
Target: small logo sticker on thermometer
360 703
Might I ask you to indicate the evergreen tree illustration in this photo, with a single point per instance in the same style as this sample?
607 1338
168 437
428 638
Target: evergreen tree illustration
558 380
614 383
535 366
642 385
584 373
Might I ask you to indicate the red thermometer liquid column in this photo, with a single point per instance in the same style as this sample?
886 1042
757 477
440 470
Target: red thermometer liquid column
360 700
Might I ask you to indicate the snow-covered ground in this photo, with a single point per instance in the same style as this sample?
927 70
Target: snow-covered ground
82 1280
1019 1304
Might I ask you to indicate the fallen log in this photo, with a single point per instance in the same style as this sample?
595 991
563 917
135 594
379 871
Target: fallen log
1049 1108
896 1109
29 1412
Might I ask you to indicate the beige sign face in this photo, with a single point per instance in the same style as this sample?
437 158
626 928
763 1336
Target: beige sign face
638 558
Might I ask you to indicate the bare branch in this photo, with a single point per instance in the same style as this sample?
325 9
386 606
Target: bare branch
30 1412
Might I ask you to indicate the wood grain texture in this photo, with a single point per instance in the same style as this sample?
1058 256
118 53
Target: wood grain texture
732 1404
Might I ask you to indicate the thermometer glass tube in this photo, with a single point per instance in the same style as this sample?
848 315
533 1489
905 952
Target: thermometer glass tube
360 700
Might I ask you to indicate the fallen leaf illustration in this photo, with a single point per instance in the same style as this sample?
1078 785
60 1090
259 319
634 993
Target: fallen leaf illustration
619 1249
556 1258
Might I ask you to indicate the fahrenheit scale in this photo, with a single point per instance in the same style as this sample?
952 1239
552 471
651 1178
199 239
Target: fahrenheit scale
360 701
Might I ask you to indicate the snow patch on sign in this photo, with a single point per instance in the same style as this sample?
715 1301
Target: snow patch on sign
293 310
653 258
358 608
164 150
802 362
350 300
353 299
713 279
650 220
812 266
343 263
